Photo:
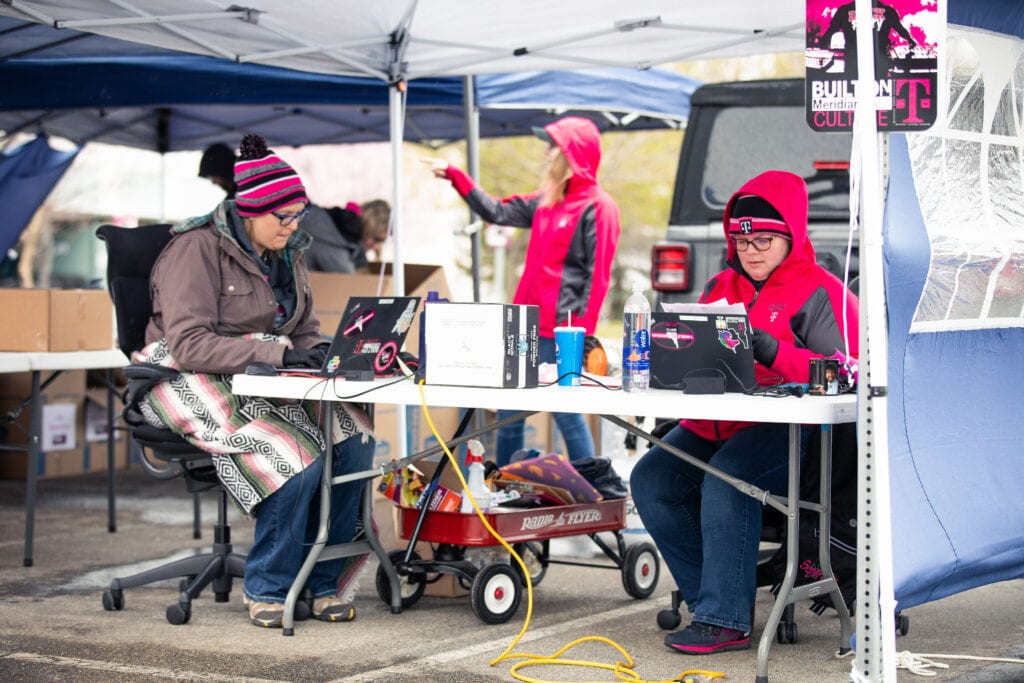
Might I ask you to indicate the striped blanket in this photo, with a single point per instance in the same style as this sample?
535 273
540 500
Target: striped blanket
257 443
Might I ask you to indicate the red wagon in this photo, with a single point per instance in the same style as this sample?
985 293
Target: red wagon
496 587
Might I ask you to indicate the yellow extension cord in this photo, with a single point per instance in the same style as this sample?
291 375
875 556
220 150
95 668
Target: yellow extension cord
623 668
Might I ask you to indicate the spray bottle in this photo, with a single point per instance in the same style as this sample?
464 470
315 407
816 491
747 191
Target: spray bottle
476 485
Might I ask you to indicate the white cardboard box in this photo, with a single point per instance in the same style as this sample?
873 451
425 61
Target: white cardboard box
481 345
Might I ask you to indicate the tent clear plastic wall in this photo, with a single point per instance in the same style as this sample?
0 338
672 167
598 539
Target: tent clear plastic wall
954 271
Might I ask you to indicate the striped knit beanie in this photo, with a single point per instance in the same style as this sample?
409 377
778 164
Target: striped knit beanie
751 213
265 182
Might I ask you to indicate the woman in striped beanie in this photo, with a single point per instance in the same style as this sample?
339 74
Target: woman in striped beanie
231 288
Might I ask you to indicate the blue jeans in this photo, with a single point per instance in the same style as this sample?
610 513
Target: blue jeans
707 531
287 522
573 427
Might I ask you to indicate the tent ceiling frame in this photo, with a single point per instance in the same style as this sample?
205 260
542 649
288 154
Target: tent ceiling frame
398 42
743 37
145 18
334 51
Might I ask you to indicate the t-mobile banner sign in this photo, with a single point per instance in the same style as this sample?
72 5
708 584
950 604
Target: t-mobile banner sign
906 34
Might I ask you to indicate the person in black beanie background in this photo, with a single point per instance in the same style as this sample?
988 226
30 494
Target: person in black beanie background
218 165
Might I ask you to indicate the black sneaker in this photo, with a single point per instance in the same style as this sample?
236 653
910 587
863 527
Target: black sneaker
703 639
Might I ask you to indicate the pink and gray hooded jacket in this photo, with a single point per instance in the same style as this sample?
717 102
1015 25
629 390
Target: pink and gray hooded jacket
800 304
572 243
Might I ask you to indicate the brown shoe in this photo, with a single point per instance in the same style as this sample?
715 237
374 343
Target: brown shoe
332 608
265 614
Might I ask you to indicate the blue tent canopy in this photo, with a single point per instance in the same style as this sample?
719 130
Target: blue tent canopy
27 174
93 88
181 102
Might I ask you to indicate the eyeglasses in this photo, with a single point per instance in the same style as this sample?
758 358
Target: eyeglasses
287 219
759 243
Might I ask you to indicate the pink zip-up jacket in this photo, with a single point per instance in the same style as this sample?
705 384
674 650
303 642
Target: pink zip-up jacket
572 244
800 303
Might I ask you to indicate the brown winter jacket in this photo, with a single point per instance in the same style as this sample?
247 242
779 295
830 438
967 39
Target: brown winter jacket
208 292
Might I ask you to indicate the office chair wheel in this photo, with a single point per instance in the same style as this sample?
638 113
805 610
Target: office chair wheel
534 560
785 632
412 585
304 605
902 623
669 619
179 613
113 600
496 593
640 570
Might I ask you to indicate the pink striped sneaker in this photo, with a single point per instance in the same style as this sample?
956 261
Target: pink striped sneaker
703 639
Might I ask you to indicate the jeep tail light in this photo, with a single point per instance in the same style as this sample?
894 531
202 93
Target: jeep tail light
671 267
826 165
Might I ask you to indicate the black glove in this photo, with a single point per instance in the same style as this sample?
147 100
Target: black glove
304 358
766 347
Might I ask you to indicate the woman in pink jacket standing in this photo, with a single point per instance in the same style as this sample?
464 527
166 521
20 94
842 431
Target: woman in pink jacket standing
574 230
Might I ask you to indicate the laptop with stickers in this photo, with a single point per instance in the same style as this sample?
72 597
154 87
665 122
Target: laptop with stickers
369 336
697 346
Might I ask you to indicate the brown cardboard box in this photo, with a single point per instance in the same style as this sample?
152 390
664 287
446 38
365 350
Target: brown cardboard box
68 385
446 585
52 463
25 319
95 430
62 406
56 320
331 292
418 435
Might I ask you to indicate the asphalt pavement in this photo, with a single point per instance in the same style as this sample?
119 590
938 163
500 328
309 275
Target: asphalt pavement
53 626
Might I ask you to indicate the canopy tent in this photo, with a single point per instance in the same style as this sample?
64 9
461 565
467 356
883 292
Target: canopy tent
171 102
27 174
87 87
402 39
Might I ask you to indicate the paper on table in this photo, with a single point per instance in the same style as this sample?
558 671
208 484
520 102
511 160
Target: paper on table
720 307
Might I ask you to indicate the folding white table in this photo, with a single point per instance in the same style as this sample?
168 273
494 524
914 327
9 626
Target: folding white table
56 362
610 405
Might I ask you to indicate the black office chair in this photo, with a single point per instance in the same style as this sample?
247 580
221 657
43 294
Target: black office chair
131 253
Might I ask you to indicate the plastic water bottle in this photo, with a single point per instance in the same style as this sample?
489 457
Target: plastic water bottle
476 484
636 342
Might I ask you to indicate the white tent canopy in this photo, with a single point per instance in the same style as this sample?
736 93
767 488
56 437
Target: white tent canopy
406 39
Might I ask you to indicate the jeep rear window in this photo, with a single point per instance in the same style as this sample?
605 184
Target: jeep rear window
746 141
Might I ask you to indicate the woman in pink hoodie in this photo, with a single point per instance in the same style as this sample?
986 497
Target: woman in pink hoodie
574 230
707 531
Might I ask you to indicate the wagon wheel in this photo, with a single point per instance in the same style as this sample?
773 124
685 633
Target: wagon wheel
640 568
411 585
533 558
496 593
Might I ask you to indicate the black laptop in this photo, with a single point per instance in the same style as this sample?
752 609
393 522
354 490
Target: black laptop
698 346
369 336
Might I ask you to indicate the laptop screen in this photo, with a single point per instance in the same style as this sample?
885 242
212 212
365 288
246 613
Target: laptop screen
689 345
370 335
